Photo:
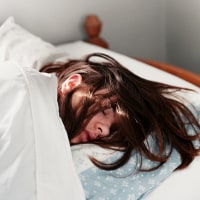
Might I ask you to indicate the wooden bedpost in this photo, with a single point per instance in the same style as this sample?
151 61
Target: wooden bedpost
93 27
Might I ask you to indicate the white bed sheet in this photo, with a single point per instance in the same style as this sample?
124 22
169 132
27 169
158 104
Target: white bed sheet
181 184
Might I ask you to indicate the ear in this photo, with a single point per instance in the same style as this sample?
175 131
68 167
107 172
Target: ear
70 83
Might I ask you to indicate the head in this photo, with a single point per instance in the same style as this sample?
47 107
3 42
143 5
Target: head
96 96
102 102
100 124
91 102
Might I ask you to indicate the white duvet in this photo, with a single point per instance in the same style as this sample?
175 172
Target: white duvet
35 157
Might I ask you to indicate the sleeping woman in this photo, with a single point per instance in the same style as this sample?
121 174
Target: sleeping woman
102 102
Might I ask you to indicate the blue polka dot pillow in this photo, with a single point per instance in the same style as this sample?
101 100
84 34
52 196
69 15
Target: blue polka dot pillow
122 183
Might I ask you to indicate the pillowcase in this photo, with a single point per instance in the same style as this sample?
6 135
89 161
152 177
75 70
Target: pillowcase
17 44
123 183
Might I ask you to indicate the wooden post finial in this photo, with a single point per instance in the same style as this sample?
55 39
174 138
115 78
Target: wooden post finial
93 27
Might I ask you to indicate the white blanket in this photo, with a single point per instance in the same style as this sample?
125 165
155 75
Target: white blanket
35 157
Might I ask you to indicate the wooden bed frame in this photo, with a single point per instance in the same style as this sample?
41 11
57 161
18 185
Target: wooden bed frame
175 70
93 27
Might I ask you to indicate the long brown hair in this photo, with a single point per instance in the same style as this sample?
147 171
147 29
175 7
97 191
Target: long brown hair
145 109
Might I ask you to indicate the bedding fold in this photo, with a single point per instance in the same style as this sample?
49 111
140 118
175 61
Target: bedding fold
35 156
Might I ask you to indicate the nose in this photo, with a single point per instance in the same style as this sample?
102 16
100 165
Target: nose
102 130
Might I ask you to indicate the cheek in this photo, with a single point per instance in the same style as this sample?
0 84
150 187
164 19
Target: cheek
89 124
76 140
77 102
77 98
96 123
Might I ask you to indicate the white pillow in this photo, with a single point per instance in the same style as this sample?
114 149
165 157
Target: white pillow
28 50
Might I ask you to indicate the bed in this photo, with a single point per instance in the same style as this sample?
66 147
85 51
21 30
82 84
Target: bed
38 163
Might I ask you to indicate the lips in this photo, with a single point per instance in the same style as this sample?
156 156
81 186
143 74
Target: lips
84 136
87 136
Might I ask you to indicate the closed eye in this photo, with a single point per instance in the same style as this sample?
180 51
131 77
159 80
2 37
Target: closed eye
114 128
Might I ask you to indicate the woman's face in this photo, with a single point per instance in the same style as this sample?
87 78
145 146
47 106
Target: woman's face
98 126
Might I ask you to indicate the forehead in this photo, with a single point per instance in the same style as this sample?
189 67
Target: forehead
106 95
111 115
